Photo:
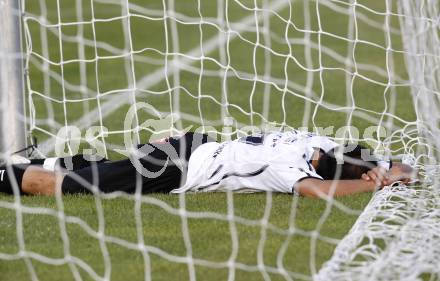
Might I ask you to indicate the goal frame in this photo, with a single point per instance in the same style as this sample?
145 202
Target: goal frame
13 118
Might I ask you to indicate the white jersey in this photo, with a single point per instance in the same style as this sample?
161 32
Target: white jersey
273 162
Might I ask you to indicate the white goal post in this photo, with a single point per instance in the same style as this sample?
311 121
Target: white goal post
13 120
235 66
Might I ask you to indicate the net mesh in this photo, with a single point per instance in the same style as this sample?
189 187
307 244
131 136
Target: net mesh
400 225
236 67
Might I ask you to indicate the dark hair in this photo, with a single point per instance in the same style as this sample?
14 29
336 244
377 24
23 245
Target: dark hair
353 165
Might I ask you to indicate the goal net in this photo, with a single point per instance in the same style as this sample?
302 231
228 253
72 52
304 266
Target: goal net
363 71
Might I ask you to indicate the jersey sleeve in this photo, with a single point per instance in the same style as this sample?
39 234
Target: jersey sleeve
292 175
323 143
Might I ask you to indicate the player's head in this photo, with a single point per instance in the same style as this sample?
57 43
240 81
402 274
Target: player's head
352 166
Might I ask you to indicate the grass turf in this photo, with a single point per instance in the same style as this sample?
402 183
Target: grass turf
210 238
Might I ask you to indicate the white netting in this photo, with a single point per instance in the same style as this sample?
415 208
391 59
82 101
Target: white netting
266 74
240 63
395 236
392 240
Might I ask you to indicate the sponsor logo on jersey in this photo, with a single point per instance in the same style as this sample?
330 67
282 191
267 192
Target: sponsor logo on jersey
219 150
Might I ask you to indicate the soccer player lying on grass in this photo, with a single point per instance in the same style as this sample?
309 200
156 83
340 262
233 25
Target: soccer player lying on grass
291 162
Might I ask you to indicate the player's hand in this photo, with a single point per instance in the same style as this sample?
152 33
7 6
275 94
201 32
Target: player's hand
379 175
382 177
400 172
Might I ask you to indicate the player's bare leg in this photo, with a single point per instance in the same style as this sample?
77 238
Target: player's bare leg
40 176
39 181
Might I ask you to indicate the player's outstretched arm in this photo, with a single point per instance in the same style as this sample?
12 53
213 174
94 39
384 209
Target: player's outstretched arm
374 179
316 188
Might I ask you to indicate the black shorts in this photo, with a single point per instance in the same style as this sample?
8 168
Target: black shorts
162 169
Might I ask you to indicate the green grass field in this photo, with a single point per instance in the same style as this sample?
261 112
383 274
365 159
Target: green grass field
335 97
210 238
